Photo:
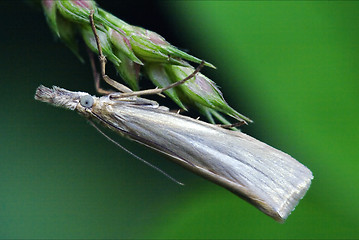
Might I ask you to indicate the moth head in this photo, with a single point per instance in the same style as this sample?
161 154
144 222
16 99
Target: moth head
64 98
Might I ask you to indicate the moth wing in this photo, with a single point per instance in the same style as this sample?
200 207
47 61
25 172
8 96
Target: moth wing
270 179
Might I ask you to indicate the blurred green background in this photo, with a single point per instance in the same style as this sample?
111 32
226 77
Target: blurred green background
290 66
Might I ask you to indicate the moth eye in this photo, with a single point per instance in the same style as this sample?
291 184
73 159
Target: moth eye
86 101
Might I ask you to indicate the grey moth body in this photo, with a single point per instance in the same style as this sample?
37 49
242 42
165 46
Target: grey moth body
268 178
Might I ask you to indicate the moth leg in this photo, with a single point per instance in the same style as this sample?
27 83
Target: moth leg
161 90
96 75
120 87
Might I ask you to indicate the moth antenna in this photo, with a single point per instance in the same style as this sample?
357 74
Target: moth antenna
134 155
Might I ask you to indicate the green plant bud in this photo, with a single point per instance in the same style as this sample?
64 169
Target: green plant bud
202 91
147 50
62 28
152 47
49 7
156 38
128 70
68 33
122 43
158 75
76 10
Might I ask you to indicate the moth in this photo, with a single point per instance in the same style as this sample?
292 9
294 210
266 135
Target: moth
270 179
